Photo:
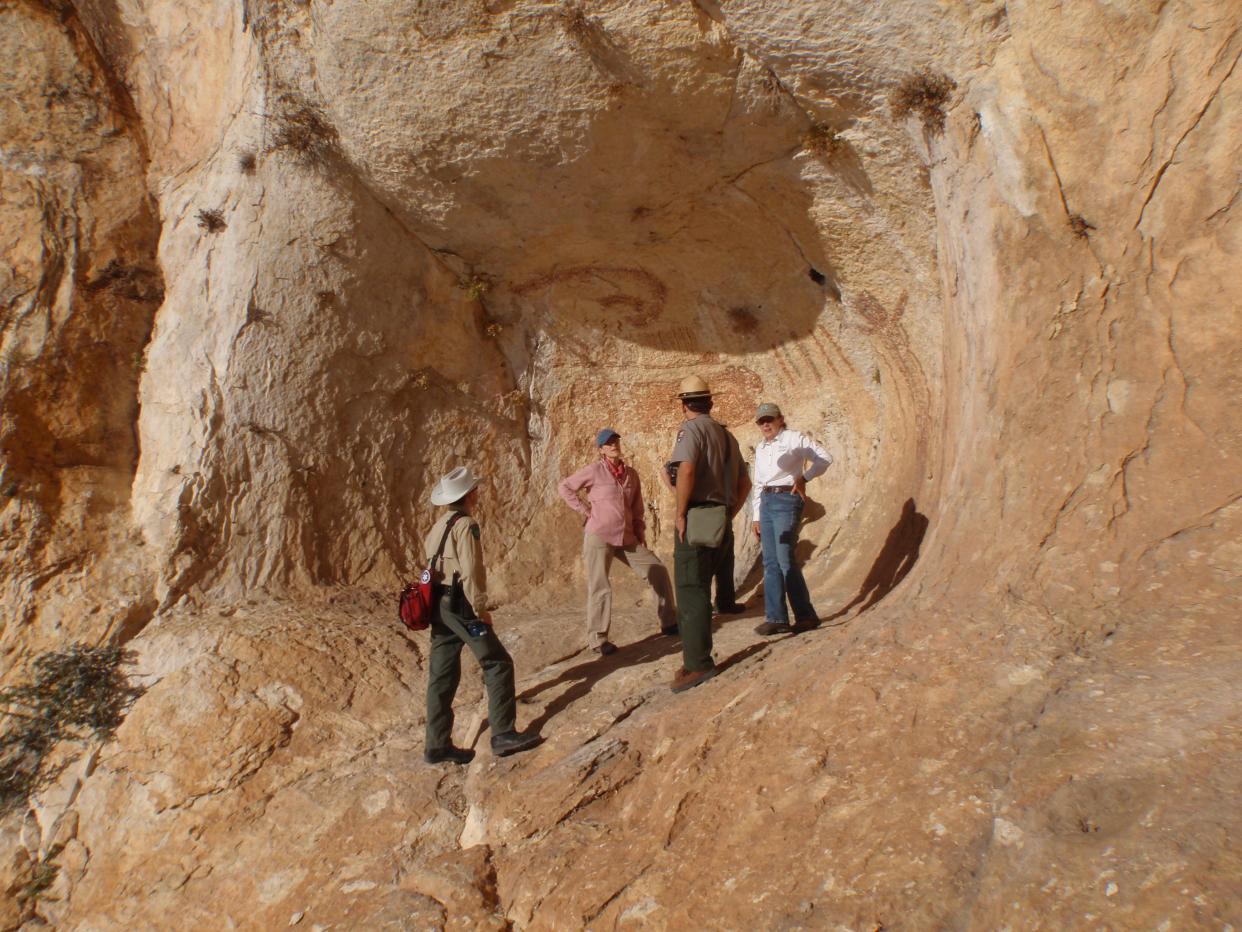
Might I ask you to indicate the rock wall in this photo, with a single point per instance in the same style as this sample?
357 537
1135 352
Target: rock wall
277 266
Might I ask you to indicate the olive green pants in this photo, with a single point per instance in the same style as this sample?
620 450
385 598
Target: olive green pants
693 568
726 594
448 636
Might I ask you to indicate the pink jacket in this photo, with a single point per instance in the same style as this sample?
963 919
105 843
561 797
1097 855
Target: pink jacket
615 514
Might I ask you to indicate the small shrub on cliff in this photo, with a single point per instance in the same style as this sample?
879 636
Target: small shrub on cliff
42 876
74 694
302 130
476 286
823 141
924 93
1079 226
246 161
132 282
575 22
211 220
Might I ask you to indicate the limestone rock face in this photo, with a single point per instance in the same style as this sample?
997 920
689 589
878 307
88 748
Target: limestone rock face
270 269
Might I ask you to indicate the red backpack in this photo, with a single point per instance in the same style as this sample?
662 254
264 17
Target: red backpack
418 600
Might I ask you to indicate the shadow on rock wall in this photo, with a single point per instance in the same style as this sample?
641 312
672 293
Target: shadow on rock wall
894 562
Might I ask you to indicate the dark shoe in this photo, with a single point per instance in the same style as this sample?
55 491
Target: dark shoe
734 609
688 679
448 755
511 742
607 648
803 625
768 628
671 631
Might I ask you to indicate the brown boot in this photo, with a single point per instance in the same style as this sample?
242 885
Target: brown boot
803 625
688 679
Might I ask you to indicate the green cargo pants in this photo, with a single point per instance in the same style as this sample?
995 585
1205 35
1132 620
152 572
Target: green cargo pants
726 594
693 568
448 636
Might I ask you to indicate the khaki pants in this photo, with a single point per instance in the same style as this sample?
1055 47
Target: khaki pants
598 556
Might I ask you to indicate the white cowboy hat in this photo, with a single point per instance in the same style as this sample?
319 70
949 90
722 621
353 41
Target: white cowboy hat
454 486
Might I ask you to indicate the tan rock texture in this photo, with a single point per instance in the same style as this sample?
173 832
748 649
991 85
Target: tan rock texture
271 268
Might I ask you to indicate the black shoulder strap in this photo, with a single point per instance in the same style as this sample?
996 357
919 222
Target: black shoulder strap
444 537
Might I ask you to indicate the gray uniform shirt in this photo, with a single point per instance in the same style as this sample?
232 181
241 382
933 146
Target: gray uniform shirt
716 457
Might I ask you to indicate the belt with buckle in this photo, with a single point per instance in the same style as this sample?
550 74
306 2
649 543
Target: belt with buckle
770 489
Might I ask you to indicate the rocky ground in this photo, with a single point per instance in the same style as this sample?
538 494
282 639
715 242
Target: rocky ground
869 774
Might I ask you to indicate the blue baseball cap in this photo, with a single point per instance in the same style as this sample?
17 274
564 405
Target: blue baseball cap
605 434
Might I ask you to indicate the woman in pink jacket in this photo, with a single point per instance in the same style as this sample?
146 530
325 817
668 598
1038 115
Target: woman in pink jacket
615 530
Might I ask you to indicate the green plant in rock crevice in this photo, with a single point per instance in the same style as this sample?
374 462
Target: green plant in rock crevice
41 879
74 694
476 286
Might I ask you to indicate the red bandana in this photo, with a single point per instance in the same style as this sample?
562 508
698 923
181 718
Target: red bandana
618 471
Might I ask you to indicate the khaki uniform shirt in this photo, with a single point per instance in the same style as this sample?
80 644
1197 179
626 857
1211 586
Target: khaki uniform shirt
717 458
463 555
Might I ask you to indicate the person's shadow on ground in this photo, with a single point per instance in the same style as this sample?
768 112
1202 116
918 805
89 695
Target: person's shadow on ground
585 675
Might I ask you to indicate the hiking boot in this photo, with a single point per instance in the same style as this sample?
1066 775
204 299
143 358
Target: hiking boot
448 755
671 631
511 742
769 628
607 648
688 679
803 625
733 608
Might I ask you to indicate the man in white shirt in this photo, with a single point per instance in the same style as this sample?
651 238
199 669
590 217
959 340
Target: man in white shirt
785 460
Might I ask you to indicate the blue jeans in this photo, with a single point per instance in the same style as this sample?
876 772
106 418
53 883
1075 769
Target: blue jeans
779 516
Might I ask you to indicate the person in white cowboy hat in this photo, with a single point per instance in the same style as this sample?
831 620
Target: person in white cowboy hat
462 619
785 461
614 529
711 485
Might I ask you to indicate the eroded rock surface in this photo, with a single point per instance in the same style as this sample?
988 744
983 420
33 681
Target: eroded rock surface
271 268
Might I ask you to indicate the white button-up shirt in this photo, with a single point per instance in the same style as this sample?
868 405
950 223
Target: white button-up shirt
780 460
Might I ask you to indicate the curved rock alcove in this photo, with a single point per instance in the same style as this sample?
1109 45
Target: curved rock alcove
272 268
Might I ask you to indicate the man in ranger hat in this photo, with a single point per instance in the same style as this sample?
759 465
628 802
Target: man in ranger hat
711 486
462 618
615 528
726 591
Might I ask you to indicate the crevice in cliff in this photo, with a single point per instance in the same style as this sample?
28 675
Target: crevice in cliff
1198 118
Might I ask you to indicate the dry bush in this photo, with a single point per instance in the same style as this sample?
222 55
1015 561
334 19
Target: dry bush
132 282
211 220
575 22
246 161
302 130
924 93
1079 225
822 140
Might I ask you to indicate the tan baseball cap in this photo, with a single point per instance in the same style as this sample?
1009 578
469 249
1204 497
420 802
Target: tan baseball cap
768 409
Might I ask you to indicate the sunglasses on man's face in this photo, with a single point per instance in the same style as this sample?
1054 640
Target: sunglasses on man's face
766 420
